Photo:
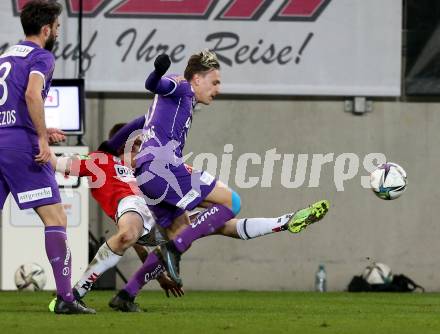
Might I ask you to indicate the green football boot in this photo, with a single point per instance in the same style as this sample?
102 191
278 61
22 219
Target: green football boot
304 217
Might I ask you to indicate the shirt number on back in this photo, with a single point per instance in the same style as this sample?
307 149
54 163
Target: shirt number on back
7 67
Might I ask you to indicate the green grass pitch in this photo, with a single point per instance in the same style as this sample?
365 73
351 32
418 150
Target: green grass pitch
231 312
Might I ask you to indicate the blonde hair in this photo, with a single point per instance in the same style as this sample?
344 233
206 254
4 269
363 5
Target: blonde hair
202 62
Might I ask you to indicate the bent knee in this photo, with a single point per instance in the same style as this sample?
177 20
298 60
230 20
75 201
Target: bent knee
236 203
127 238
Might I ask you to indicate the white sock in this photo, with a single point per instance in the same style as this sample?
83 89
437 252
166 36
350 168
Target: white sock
103 260
250 228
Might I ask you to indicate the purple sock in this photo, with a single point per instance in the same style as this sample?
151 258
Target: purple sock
150 270
58 253
206 223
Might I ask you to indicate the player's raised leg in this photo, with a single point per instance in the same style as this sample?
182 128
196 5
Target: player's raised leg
225 204
295 222
307 216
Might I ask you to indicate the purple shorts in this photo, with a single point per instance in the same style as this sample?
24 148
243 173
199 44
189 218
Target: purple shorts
169 191
31 184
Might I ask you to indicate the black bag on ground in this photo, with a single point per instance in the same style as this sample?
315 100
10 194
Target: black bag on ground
400 283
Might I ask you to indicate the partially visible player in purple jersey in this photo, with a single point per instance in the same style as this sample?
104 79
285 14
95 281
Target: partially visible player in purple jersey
25 76
169 187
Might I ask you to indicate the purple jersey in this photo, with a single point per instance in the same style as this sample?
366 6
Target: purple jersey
16 128
168 121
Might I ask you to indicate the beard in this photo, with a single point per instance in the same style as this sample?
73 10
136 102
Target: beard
50 43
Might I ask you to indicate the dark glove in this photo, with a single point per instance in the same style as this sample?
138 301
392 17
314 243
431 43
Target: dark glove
162 63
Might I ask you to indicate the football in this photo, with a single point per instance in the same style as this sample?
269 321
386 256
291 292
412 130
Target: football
30 277
388 181
377 273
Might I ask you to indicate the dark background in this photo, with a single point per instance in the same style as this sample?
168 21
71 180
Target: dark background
421 51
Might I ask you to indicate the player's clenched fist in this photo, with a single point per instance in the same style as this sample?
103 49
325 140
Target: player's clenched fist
161 64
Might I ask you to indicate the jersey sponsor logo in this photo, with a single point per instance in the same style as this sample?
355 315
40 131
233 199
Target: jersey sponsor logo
238 10
123 171
124 174
187 199
34 195
7 117
17 51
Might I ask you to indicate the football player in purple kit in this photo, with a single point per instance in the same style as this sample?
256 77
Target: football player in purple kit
169 187
123 138
25 77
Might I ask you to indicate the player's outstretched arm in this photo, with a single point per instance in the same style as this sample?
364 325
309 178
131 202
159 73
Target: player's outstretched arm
155 83
60 164
119 139
63 164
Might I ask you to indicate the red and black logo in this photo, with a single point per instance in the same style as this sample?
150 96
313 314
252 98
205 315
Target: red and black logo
238 10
